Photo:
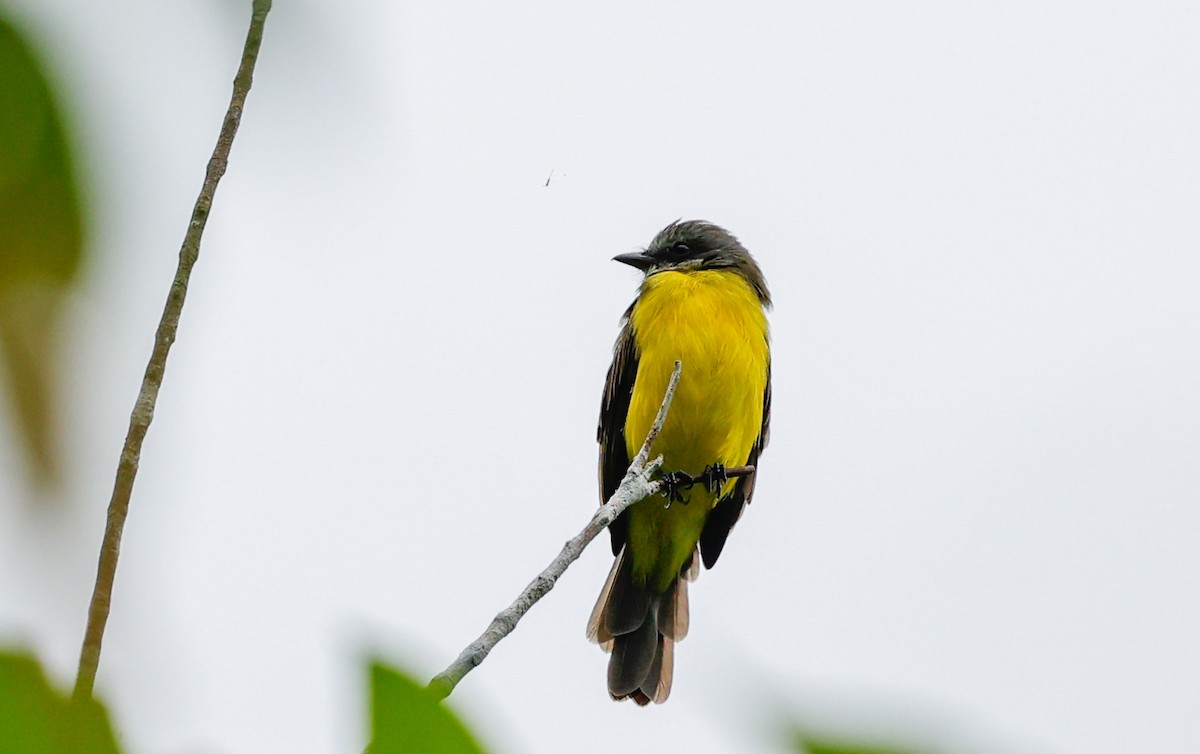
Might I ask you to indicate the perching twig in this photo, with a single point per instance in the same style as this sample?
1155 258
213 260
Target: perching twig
143 409
635 486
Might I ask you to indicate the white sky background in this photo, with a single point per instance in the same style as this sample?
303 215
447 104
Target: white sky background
977 523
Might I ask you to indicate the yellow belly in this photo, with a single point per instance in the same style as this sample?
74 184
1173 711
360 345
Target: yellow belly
713 323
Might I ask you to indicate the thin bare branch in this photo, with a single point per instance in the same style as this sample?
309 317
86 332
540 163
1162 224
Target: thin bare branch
636 485
143 409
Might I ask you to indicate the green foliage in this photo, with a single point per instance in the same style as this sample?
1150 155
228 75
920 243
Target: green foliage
36 719
812 745
41 243
407 718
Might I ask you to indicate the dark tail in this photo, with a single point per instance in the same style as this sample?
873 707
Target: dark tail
639 628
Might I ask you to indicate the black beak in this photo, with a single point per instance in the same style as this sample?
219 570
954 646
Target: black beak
638 259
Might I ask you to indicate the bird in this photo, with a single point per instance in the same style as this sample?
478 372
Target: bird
703 302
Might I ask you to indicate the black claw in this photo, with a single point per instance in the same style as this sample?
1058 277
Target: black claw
673 485
715 478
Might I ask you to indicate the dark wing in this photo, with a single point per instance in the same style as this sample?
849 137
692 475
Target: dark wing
614 407
727 510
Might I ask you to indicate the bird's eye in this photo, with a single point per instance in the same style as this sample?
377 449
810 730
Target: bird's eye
680 250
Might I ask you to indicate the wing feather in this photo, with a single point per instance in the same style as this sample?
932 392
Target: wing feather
614 407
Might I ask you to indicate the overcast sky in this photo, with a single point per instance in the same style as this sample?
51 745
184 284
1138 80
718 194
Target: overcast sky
977 523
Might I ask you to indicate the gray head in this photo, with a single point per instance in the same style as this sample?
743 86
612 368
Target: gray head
698 245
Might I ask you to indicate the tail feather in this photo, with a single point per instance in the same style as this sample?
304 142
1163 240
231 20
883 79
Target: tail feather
691 569
628 606
657 686
597 630
639 628
633 658
673 611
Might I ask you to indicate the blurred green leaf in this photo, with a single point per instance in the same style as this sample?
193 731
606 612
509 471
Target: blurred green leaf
809 745
406 718
36 719
41 244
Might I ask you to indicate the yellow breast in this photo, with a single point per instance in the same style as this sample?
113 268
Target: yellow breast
711 321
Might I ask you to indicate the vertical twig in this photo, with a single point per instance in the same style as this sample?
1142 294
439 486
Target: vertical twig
143 409
635 486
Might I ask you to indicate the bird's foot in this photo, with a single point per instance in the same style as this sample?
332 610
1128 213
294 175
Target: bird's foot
715 478
673 485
